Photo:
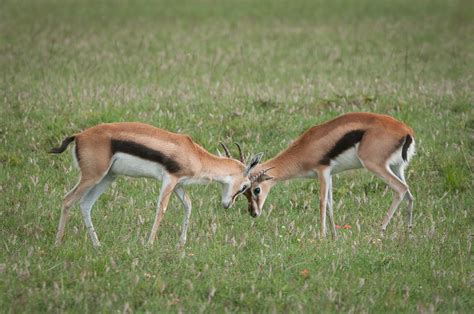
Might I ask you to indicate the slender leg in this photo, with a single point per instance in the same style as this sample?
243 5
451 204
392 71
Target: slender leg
88 201
64 215
323 193
165 193
186 201
330 207
410 199
395 183
71 197
399 171
62 225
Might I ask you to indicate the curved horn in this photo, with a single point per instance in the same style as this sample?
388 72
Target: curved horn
226 150
256 177
242 158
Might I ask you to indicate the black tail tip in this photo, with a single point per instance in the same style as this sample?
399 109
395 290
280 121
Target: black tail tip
55 150
406 145
62 148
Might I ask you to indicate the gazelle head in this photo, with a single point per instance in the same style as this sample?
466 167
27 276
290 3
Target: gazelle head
238 183
261 183
258 185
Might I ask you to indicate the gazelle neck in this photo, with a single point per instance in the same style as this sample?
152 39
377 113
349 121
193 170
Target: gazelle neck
284 167
215 168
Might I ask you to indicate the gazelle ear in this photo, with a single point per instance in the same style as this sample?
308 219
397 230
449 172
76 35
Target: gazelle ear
253 162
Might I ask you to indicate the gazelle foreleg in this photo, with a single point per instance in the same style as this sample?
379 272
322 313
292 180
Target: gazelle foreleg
323 196
186 201
330 207
167 187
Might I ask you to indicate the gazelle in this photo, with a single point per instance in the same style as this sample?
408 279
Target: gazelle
376 142
139 150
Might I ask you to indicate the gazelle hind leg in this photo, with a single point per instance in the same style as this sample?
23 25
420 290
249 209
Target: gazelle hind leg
71 197
186 201
64 216
399 188
88 200
410 199
165 193
399 171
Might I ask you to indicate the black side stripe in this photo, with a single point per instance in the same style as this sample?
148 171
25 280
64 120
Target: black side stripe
408 140
144 152
347 141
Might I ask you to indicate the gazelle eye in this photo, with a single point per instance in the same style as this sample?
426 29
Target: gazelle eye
245 187
256 191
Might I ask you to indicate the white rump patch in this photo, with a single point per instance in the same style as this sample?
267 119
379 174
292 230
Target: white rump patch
411 151
396 157
74 156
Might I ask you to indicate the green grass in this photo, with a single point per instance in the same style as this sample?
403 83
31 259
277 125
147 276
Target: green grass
258 73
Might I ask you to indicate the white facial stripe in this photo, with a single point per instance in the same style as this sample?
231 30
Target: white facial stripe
229 191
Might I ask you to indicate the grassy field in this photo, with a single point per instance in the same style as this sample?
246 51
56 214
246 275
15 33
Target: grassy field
255 72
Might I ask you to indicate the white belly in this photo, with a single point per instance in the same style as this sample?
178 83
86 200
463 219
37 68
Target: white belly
346 161
309 174
188 180
129 165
